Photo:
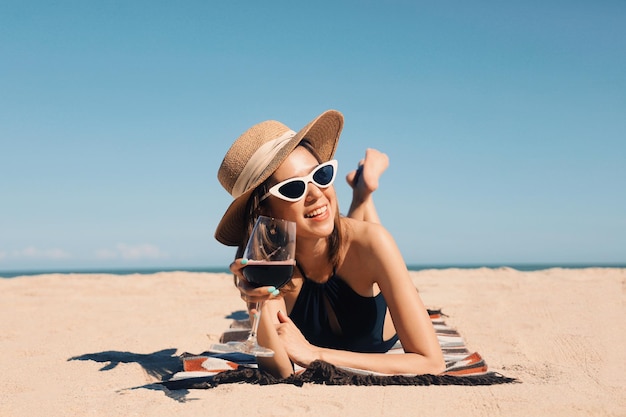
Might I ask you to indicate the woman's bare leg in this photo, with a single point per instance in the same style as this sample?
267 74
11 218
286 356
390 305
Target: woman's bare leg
364 181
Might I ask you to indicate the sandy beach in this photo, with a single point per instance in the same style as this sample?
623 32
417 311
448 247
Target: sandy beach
94 344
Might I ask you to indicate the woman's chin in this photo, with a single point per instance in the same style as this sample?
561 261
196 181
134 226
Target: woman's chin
320 228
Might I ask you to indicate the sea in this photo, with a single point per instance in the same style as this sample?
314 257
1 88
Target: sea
146 271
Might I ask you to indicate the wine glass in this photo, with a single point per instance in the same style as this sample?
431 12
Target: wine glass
271 257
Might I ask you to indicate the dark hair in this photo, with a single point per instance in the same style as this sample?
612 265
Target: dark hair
255 205
334 239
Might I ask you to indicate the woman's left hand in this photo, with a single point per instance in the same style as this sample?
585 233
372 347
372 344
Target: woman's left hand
300 351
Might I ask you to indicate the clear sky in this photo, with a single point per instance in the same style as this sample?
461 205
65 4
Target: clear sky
505 123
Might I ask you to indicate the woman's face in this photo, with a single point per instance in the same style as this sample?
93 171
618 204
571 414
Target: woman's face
314 214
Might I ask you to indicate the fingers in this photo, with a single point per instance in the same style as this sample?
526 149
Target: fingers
282 317
237 265
250 293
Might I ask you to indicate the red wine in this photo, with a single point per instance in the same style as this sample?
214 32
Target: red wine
266 273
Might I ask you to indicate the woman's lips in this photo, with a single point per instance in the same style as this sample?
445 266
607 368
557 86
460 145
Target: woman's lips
317 212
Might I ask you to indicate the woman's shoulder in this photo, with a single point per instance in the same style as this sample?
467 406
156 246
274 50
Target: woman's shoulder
367 248
363 234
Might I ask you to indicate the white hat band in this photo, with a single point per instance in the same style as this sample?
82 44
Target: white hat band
257 163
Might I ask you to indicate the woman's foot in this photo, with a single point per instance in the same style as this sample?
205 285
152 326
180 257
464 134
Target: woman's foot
364 180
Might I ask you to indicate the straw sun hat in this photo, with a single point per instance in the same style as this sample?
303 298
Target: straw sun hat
257 153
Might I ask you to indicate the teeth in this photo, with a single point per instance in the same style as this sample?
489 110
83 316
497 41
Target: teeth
316 212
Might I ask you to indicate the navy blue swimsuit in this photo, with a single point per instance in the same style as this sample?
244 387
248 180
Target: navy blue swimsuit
361 319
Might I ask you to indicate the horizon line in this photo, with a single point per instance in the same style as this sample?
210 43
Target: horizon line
521 266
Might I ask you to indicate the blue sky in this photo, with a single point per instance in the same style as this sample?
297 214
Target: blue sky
504 122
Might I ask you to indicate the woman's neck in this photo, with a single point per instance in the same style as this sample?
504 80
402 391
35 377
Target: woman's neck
312 258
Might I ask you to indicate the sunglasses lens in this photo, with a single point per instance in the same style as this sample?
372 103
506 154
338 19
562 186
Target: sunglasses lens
293 189
324 175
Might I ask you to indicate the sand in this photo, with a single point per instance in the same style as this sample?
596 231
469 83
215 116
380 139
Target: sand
559 331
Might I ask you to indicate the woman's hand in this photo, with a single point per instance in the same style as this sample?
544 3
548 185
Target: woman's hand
249 293
300 351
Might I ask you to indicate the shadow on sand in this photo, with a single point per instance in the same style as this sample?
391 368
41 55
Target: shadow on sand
160 365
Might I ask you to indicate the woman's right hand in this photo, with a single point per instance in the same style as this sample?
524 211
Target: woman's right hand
249 293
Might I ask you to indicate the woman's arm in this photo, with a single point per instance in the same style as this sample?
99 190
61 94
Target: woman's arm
303 353
375 254
410 317
280 364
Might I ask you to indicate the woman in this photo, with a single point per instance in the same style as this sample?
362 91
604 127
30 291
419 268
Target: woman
351 297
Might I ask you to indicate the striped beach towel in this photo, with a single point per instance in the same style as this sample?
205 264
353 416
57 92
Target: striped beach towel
207 370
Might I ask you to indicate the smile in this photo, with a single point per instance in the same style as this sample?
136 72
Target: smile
316 212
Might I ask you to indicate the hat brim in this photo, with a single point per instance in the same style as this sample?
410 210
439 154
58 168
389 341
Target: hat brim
323 134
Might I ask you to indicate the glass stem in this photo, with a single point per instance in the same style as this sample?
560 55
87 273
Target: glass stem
256 318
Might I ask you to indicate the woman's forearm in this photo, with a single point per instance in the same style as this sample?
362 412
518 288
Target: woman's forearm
386 363
279 365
